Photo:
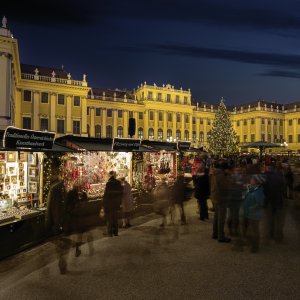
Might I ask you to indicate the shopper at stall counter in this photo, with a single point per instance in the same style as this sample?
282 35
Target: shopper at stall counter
112 200
127 203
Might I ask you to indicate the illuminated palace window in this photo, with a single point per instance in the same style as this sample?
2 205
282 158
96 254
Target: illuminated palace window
194 136
140 133
169 134
186 135
160 134
98 131
151 133
109 132
178 135
120 132
201 136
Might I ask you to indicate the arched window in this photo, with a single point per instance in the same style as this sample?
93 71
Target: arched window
201 136
140 133
194 136
88 130
169 134
208 136
98 131
178 135
186 135
120 132
160 134
151 133
109 131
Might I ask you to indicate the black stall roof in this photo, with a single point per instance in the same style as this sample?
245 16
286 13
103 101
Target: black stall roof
159 146
96 144
86 143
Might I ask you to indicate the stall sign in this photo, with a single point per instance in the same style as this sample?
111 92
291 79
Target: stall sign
23 138
183 146
126 144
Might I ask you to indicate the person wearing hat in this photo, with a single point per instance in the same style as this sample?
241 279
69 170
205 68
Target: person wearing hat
112 200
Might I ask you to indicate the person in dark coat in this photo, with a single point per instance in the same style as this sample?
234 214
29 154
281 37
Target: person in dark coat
289 179
236 185
219 179
112 200
202 191
275 203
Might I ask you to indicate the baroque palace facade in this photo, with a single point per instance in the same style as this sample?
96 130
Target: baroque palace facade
39 98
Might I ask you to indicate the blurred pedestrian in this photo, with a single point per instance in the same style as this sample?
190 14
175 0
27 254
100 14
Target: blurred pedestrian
112 200
253 212
55 201
127 203
219 196
179 196
275 203
289 179
202 191
236 186
161 200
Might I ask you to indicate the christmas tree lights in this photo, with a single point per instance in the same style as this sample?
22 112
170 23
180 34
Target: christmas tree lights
222 139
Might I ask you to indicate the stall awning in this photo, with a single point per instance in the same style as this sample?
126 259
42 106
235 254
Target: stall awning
86 143
159 146
196 150
59 148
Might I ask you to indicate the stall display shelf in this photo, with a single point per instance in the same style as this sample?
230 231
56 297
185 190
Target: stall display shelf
16 213
4 218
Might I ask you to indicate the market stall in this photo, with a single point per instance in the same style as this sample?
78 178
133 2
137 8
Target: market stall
190 159
22 214
88 169
160 162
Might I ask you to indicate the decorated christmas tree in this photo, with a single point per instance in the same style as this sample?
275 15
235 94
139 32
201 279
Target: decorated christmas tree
222 139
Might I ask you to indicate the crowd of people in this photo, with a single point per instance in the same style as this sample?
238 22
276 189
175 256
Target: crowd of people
248 197
244 194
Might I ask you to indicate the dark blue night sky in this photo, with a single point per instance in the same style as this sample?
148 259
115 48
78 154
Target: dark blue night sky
240 50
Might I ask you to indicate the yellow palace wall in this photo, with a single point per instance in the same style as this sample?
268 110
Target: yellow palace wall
165 111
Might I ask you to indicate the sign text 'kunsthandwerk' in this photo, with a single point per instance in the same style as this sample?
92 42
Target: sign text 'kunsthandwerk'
22 138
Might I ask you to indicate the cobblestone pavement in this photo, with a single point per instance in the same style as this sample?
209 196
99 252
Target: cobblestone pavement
149 262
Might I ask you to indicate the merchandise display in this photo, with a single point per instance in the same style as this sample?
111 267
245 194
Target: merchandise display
19 183
158 165
89 170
